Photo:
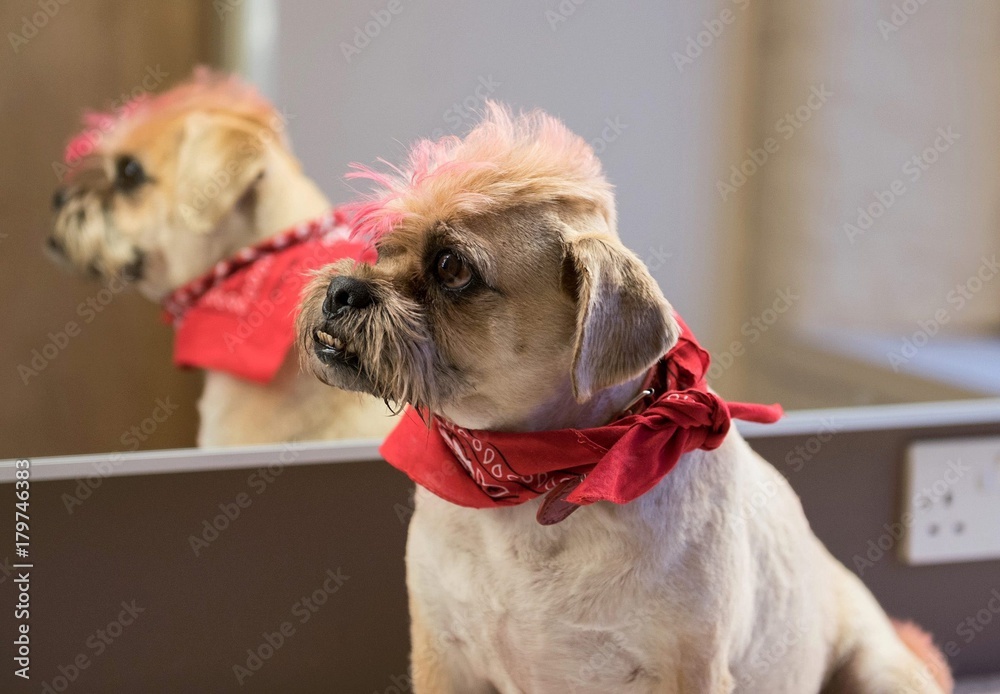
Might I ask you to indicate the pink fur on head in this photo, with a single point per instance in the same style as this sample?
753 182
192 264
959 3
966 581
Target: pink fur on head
505 160
206 91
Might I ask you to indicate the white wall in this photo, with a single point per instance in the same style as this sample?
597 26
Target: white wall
606 62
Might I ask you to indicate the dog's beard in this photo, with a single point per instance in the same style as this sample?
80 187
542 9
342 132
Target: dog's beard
385 350
85 238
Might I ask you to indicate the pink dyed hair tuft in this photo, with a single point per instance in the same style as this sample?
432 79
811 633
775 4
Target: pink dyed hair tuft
504 160
206 90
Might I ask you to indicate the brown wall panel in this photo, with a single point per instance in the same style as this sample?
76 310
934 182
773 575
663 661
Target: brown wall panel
131 540
106 379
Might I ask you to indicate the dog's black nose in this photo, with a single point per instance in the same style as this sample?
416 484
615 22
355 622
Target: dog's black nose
344 293
59 198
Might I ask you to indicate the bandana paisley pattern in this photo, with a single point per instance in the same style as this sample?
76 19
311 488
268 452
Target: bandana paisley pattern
490 470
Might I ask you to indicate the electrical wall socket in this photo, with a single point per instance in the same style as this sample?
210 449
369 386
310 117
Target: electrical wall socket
952 506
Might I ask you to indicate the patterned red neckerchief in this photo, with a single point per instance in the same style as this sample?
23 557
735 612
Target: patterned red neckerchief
617 462
239 317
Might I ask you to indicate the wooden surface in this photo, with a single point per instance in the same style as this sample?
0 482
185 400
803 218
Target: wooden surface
131 540
107 378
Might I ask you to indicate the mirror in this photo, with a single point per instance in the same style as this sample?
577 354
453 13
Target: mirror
811 183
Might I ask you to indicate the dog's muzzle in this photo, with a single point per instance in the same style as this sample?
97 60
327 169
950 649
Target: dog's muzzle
69 206
345 298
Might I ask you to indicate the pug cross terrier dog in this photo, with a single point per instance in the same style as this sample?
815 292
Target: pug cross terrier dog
162 191
505 311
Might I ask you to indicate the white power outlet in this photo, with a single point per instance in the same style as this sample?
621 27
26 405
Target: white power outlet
952 507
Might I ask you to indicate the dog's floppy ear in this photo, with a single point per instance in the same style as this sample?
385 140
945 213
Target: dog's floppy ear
220 158
623 323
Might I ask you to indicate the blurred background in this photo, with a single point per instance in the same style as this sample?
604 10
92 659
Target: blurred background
813 183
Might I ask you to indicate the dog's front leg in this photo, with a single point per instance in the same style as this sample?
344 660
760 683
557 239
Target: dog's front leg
434 668
430 675
700 664
713 678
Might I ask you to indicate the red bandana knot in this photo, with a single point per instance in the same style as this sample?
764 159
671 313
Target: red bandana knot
617 462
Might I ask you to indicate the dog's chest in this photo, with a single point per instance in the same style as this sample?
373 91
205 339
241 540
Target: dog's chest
539 609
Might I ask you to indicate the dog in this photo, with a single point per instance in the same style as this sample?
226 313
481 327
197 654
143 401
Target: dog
529 343
160 194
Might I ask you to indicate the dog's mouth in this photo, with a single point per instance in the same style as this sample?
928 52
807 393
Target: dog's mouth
340 355
334 350
381 348
135 270
84 239
97 268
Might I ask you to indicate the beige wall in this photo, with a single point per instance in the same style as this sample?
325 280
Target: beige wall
838 100
895 82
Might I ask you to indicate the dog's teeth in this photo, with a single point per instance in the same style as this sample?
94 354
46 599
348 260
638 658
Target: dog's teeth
331 341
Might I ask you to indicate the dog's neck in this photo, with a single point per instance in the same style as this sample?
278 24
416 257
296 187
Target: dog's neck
563 411
558 411
285 197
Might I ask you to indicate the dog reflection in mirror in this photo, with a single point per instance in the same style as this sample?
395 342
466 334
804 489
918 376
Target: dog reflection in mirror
162 190
504 300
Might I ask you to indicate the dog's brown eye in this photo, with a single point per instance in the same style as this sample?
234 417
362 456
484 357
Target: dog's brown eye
129 173
451 270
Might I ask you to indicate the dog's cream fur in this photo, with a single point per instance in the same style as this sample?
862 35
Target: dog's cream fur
711 583
221 177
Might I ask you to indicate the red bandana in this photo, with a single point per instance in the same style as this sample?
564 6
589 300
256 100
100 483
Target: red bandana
618 462
239 317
